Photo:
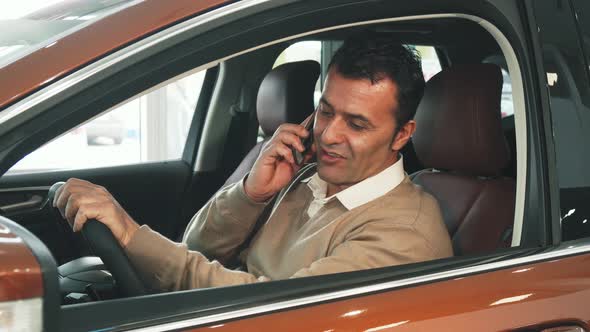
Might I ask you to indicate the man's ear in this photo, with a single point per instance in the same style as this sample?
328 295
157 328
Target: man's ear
403 135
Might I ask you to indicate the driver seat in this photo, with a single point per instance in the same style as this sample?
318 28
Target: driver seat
459 138
284 96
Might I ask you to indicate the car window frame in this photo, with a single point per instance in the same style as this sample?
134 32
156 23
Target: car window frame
189 150
511 253
551 181
569 199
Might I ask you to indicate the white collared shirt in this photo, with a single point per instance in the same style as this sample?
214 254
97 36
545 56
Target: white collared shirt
358 194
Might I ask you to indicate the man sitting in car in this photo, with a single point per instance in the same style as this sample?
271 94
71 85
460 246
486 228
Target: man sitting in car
354 209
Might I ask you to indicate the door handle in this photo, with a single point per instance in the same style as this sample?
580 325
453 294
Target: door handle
36 201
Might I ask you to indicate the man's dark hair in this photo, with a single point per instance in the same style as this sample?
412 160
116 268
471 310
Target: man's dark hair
373 56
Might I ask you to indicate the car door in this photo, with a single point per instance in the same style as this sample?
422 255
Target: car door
146 137
537 284
151 135
544 289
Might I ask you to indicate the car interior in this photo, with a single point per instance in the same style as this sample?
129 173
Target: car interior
463 152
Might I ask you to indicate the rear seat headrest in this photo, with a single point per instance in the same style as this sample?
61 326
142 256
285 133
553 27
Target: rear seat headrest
459 125
286 94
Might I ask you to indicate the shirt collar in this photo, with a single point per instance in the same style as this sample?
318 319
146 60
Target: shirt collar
362 192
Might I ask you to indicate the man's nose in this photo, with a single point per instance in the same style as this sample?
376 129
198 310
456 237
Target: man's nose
333 132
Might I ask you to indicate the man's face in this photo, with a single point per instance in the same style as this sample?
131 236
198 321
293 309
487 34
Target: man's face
354 129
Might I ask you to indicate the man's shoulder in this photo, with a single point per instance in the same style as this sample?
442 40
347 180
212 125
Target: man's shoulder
406 207
406 204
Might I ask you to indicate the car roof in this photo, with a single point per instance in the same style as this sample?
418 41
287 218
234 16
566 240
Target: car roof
50 63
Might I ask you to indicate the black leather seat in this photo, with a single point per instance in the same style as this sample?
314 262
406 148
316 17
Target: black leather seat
285 96
459 136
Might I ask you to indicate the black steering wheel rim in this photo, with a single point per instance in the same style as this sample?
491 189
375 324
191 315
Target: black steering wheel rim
103 243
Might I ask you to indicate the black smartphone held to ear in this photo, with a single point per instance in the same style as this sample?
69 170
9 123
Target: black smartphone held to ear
307 142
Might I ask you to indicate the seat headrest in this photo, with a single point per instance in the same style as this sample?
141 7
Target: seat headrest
459 125
286 94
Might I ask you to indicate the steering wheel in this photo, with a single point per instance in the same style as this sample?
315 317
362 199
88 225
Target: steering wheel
102 242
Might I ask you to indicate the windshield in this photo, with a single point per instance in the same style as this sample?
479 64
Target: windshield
27 25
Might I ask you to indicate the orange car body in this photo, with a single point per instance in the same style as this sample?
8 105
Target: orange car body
532 297
112 32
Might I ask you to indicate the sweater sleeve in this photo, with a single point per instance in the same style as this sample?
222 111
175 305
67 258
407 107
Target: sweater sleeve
164 265
223 223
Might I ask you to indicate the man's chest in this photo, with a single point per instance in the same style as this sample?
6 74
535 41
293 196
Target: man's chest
290 240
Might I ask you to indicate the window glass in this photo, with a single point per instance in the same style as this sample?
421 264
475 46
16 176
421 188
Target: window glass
569 88
27 25
430 61
152 127
300 51
507 105
312 50
582 9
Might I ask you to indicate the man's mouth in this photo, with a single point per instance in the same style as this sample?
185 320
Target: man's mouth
329 156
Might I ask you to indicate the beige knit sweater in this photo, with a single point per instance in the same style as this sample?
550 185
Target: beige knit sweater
402 226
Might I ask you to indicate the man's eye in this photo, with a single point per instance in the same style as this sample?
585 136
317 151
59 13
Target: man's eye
326 113
356 126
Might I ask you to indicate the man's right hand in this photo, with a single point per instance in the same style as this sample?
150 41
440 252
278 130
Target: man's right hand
79 201
276 166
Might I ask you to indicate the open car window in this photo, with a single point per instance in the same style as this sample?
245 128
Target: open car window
149 128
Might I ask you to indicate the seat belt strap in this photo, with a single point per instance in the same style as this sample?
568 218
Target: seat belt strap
273 205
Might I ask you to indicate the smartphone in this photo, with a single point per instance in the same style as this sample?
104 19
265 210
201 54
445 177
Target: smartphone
307 142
